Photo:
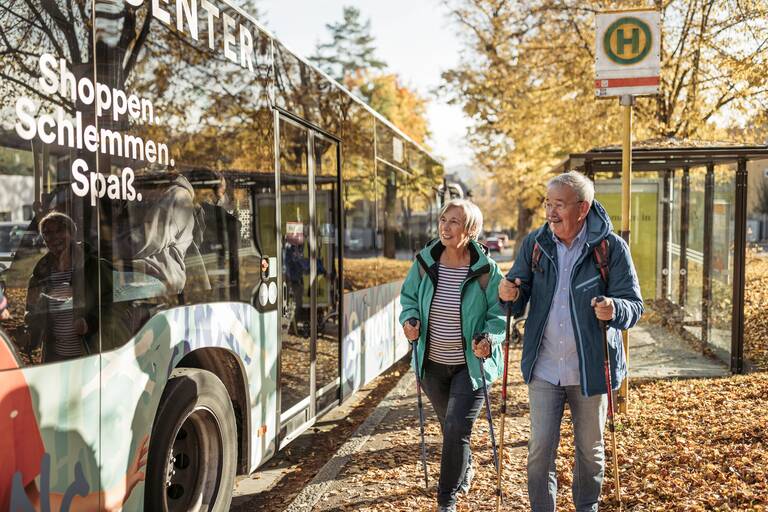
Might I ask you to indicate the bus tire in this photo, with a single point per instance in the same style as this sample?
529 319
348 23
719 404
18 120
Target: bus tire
192 457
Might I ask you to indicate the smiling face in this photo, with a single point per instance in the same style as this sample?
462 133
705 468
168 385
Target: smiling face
57 236
565 213
452 228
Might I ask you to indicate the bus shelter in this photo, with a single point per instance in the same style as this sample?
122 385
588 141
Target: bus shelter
688 234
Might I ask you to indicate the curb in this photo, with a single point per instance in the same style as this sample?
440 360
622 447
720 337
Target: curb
325 479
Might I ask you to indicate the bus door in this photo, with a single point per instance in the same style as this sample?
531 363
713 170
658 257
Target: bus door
308 173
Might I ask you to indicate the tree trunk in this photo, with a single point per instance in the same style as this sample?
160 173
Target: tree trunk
524 220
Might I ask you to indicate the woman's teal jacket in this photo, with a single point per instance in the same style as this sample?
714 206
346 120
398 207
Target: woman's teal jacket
480 308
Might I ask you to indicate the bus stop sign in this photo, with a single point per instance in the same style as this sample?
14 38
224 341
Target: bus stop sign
628 56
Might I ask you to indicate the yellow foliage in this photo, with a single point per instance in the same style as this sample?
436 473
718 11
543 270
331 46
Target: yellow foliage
527 81
387 95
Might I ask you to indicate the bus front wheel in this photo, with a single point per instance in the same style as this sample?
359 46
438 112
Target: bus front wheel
193 448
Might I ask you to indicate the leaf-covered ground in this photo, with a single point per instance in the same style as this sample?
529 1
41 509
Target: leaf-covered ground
756 311
691 445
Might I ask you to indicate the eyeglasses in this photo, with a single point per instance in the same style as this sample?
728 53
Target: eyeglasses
557 205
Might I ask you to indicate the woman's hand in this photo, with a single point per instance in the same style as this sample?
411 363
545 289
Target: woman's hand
411 331
80 326
481 348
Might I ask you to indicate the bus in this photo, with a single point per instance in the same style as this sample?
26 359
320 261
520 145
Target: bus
204 239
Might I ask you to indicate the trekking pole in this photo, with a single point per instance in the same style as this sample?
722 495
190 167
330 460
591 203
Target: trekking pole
488 412
414 344
609 387
503 410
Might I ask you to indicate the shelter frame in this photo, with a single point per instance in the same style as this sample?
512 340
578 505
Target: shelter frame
667 158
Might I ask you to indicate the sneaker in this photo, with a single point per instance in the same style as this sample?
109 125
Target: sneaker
466 484
446 508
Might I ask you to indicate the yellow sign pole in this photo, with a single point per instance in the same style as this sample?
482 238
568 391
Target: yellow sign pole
626 103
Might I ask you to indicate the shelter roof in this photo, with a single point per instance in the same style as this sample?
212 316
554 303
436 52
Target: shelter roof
663 154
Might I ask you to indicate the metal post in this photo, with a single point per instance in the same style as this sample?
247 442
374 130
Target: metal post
626 103
706 293
666 207
685 207
739 269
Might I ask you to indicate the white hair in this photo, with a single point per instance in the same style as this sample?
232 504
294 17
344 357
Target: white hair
473 217
583 186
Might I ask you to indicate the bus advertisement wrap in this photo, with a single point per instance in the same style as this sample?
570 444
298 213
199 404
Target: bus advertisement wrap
191 274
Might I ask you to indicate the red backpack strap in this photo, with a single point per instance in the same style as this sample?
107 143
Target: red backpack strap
535 257
601 256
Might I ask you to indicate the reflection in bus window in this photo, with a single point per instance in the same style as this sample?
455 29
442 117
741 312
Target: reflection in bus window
47 308
62 312
160 239
221 237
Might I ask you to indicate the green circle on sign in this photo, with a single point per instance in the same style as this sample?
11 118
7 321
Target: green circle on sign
636 53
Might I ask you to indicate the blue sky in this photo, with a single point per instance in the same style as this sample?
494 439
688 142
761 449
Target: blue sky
415 38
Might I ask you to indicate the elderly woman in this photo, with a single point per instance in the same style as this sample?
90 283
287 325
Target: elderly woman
62 311
451 291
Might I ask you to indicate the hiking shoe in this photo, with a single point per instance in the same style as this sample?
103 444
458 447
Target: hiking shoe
466 484
446 508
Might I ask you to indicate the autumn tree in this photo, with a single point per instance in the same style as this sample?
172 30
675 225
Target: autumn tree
350 57
386 94
526 79
350 48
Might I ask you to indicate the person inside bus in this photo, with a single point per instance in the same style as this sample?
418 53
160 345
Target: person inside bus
451 288
162 235
62 312
295 266
221 233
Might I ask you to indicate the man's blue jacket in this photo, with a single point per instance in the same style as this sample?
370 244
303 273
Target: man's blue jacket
538 290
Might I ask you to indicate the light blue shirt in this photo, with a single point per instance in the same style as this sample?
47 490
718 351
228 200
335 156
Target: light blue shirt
558 361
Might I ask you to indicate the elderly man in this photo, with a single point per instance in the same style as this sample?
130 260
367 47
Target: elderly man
557 273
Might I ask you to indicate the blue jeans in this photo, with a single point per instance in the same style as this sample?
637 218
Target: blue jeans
457 407
588 414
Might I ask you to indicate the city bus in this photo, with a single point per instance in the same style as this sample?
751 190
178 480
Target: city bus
203 240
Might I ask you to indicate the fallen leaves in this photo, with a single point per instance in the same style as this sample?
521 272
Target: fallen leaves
688 445
369 272
755 309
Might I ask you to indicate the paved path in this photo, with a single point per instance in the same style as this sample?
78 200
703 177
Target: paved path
379 467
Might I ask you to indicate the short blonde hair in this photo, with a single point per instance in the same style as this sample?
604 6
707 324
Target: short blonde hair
473 217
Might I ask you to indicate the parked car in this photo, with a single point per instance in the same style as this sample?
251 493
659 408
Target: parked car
493 244
503 238
15 236
9 239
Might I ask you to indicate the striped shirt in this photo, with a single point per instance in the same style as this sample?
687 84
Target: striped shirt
446 345
60 310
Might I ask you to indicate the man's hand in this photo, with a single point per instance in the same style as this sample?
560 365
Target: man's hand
509 291
604 309
411 331
481 348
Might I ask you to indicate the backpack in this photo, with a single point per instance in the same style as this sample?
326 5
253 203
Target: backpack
599 254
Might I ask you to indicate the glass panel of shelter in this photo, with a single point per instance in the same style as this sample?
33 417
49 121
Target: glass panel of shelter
700 293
